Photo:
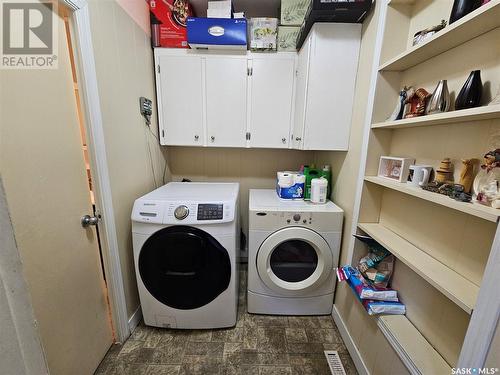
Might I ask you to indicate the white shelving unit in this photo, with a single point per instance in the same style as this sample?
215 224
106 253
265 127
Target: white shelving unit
446 251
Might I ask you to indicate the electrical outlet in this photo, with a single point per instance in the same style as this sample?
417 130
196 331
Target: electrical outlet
146 108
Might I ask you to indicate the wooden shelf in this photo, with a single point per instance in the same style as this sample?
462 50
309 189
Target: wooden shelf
454 286
473 114
475 209
478 22
412 348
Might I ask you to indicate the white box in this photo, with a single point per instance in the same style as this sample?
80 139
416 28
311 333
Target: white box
394 168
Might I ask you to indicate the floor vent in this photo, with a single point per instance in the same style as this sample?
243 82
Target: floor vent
333 359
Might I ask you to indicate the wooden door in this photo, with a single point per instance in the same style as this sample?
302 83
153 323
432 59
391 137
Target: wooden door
180 100
46 186
271 101
226 98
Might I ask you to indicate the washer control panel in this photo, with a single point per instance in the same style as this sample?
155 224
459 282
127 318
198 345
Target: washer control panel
210 211
181 212
295 218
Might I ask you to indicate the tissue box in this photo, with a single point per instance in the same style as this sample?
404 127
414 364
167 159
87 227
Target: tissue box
293 12
287 38
170 21
263 34
217 33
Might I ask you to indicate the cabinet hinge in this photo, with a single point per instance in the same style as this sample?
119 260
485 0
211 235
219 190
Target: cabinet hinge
250 71
248 136
158 69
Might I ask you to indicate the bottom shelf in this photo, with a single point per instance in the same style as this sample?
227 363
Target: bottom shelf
412 348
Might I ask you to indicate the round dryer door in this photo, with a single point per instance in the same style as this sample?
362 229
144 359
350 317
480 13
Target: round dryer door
294 259
184 267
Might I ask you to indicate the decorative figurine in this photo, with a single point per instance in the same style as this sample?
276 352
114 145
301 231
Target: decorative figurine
462 8
467 174
440 99
471 92
415 104
397 114
444 174
487 182
423 35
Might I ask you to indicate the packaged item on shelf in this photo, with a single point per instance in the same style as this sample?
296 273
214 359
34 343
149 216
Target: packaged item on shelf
326 172
263 34
287 38
310 172
217 33
384 307
168 22
373 258
363 289
381 274
290 185
219 9
319 188
293 11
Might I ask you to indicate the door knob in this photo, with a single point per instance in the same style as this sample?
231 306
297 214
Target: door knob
283 140
212 138
298 139
88 220
196 137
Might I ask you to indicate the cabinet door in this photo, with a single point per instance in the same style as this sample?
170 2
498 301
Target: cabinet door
333 66
301 95
180 99
226 96
271 101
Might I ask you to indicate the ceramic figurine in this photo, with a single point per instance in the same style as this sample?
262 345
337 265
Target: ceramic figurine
471 92
487 182
462 8
467 174
397 114
417 103
440 99
423 35
444 173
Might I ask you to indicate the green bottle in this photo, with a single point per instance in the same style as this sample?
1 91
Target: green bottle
310 172
326 172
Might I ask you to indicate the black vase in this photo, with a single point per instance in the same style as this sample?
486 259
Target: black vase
462 8
470 94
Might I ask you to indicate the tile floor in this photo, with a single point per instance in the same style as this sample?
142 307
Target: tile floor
258 345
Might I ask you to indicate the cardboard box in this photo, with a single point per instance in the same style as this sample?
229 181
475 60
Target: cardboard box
168 22
293 12
263 34
217 33
287 38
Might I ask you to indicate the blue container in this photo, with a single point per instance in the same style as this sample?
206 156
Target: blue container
214 33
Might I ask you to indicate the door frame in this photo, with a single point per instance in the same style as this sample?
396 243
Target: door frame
87 81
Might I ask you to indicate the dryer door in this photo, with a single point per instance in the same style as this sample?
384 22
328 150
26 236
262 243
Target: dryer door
294 259
184 267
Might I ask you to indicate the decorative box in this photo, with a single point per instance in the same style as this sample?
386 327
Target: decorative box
217 33
168 23
263 34
394 168
287 38
293 12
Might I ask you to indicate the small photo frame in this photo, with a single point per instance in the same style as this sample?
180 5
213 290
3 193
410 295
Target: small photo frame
394 168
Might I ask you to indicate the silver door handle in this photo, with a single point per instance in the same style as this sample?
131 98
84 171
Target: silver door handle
283 140
212 138
196 137
88 220
298 139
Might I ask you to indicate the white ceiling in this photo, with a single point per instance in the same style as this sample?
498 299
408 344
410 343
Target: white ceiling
252 8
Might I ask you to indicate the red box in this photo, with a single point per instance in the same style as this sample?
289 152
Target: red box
168 22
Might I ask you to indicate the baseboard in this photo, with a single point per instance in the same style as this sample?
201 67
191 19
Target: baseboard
349 343
135 319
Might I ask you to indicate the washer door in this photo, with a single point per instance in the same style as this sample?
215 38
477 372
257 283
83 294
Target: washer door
294 259
184 267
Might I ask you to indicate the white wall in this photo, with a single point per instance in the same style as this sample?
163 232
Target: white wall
124 64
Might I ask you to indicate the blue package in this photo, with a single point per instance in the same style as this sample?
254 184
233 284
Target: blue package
228 33
295 191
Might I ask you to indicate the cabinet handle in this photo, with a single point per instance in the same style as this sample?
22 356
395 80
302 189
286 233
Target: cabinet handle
196 137
212 138
298 139
283 140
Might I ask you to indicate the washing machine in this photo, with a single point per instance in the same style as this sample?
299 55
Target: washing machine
186 248
293 250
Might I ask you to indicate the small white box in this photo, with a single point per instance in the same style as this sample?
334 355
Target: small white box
263 34
394 168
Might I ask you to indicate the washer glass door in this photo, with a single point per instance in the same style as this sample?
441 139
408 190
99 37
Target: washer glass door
294 259
184 267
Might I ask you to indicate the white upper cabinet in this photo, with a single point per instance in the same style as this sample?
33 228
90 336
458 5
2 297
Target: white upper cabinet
180 100
327 67
271 103
226 100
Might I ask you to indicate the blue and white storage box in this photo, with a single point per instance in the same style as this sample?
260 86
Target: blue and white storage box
217 33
